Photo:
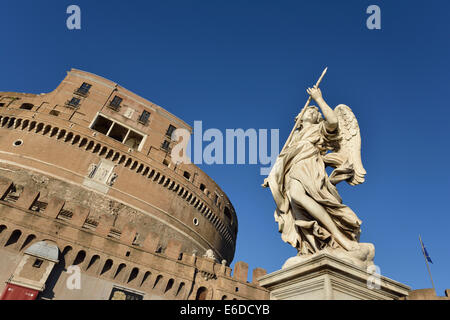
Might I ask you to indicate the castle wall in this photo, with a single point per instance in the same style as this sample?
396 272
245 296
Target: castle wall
145 269
56 139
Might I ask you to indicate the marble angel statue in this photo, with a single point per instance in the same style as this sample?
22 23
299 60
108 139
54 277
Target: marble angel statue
310 213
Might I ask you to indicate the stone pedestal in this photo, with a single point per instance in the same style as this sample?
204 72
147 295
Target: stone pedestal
324 277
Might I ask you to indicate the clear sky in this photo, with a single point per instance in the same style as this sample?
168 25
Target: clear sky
246 64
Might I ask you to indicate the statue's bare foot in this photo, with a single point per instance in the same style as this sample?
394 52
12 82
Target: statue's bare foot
347 244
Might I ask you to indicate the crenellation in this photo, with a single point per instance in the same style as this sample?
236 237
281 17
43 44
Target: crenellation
128 234
173 249
258 273
240 272
104 225
151 242
27 198
79 216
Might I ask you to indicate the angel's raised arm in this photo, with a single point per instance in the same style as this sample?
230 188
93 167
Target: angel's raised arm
328 113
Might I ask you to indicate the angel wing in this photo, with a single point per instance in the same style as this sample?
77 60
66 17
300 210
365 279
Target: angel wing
347 157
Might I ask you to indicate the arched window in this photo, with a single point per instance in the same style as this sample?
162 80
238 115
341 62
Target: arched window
180 289
158 279
169 285
119 269
202 292
47 129
68 137
83 142
145 278
53 133
76 139
79 258
4 121
93 261
66 250
107 266
32 125
11 122
28 240
15 235
17 124
61 134
133 275
116 156
24 124
40 126
110 154
90 145
97 148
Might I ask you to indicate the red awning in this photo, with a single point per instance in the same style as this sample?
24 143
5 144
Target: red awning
14 292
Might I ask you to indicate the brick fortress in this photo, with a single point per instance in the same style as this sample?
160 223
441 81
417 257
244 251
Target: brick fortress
86 180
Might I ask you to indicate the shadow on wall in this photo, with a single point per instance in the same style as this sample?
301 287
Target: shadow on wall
60 267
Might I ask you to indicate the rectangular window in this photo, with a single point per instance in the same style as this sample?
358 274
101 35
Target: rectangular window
170 130
187 175
122 294
37 263
85 86
54 113
133 140
2 105
115 103
202 187
26 106
118 132
84 89
74 102
144 117
165 145
102 125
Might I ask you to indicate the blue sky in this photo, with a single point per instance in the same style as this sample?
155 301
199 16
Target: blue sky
246 64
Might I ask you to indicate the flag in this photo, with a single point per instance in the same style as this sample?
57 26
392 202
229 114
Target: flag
425 253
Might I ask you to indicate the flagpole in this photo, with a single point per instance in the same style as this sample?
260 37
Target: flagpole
426 261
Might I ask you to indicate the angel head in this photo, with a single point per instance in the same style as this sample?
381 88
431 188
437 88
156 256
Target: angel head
312 115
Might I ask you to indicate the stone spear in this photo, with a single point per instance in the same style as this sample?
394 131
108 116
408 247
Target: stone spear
299 117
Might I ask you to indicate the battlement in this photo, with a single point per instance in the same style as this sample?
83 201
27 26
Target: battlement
106 243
